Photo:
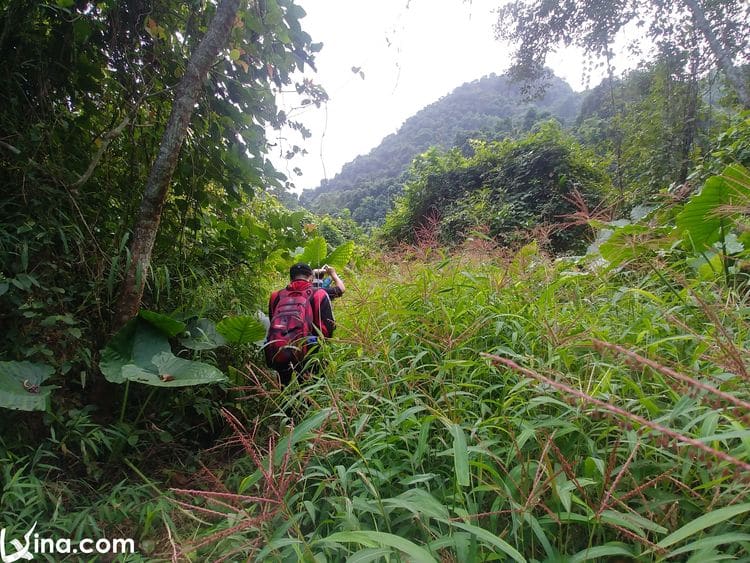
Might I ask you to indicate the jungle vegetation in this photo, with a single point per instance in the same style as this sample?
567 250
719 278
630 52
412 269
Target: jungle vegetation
542 353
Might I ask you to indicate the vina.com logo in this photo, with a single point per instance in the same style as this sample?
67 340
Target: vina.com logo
22 550
63 546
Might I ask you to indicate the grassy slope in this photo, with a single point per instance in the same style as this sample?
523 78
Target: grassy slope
415 443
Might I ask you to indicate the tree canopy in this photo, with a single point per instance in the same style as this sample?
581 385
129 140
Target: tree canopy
503 189
715 30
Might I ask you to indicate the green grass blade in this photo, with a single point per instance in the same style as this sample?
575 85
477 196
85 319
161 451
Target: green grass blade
381 539
711 542
703 522
610 550
460 455
491 539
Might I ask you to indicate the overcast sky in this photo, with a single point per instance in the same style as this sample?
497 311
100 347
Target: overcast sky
411 53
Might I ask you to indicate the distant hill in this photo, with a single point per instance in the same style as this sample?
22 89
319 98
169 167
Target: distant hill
489 108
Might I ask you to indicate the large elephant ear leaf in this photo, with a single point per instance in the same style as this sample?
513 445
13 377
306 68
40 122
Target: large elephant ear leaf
625 243
171 371
20 386
702 219
314 253
341 256
699 222
242 330
165 323
136 343
202 335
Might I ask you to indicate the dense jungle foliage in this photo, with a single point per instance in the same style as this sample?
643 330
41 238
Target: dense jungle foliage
490 108
648 128
541 354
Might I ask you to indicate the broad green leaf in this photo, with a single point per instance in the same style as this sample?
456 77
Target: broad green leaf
301 432
172 371
460 455
701 220
632 521
202 335
340 257
540 535
369 538
370 555
611 549
711 542
625 243
242 330
271 546
136 343
165 323
737 178
491 539
314 253
419 501
20 386
703 522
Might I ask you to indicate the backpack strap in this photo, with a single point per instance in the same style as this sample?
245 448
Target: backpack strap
311 317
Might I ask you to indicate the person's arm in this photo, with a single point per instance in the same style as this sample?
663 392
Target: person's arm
272 304
336 279
323 313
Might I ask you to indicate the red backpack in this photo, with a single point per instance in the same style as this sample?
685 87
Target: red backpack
291 325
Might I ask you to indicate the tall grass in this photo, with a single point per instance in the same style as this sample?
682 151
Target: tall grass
506 409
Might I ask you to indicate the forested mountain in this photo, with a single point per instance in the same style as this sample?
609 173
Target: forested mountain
492 107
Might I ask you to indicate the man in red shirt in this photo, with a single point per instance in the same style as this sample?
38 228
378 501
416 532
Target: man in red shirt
299 314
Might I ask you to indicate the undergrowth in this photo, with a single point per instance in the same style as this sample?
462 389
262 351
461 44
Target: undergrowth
495 409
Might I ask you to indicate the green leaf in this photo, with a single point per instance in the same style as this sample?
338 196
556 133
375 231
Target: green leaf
136 343
202 335
420 502
703 522
698 222
172 371
711 542
701 220
20 386
608 550
624 244
341 256
314 253
370 555
242 330
300 433
369 538
632 521
491 539
460 455
165 323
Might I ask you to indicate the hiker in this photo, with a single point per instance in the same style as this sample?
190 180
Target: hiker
299 314
332 284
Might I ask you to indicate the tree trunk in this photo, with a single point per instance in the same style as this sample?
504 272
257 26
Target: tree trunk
157 186
691 121
722 57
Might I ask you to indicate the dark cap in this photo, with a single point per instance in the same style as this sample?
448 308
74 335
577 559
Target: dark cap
300 269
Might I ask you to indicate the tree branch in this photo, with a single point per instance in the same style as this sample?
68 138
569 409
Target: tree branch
722 57
106 140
